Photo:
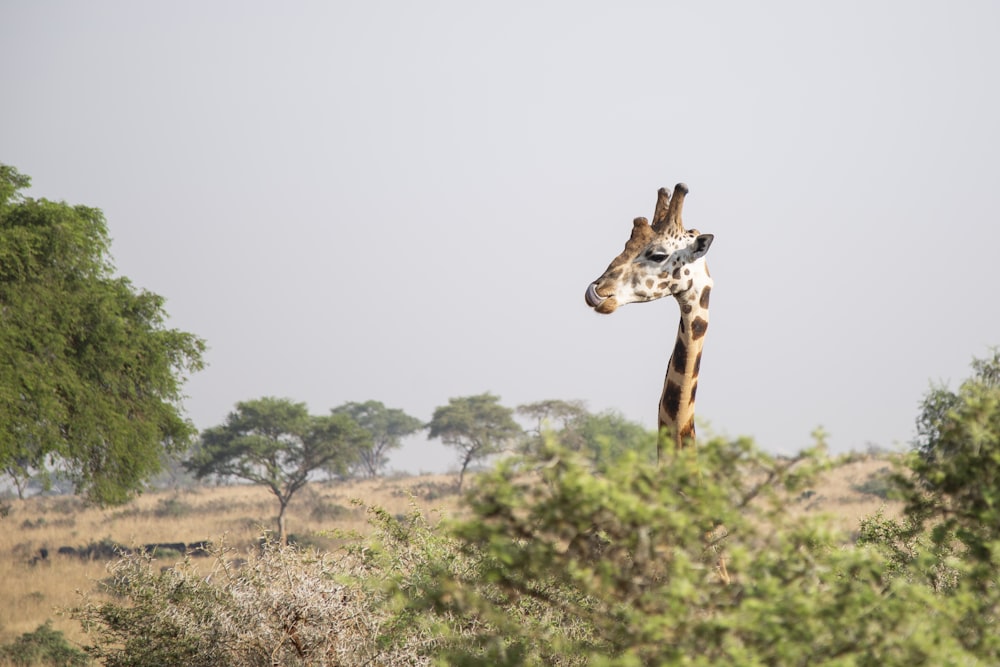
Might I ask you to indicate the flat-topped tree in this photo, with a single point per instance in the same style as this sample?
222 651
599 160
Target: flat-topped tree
278 444
477 426
387 426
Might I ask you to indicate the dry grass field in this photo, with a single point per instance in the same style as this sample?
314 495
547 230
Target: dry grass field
33 589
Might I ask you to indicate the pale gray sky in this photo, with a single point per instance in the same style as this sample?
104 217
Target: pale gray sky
405 201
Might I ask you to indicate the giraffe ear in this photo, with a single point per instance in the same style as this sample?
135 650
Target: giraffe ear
701 244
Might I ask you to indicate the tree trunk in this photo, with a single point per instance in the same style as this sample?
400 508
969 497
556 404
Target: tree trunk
461 473
282 529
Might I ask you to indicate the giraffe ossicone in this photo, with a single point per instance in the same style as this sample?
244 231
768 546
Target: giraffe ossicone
664 259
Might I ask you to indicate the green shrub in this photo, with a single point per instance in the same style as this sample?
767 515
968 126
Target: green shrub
44 646
322 510
172 508
953 481
880 484
698 561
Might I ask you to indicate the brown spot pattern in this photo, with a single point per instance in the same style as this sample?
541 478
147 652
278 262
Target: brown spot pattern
698 328
672 399
686 433
697 365
705 295
679 358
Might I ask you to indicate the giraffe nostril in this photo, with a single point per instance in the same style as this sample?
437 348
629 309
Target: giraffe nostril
593 298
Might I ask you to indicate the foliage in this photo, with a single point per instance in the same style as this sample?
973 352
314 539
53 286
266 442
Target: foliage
387 427
605 438
90 378
282 606
697 562
702 560
548 416
477 426
44 646
949 538
560 566
879 484
276 443
909 551
953 481
602 438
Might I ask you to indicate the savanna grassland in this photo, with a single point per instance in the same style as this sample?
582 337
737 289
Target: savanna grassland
35 589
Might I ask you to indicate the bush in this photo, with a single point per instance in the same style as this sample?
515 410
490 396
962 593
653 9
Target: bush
953 482
280 606
44 646
325 510
695 563
173 508
880 484
699 561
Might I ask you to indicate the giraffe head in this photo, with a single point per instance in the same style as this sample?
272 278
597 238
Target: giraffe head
659 260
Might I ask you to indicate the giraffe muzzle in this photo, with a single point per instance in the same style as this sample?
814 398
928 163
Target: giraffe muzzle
593 298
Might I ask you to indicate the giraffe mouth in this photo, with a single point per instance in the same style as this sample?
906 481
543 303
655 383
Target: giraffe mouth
593 298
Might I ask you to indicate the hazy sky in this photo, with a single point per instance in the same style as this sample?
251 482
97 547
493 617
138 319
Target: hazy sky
405 201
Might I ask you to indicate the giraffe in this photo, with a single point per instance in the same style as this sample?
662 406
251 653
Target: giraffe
664 259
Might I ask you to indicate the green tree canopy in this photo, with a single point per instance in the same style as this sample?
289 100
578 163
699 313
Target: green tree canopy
277 443
953 480
90 376
387 426
605 437
477 426
551 414
558 565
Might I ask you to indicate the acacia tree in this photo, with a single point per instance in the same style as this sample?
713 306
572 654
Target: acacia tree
387 427
603 437
477 426
278 444
90 377
551 415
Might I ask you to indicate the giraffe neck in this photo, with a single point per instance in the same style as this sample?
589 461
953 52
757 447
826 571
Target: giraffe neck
681 383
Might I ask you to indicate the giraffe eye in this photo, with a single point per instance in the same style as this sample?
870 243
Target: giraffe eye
656 257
